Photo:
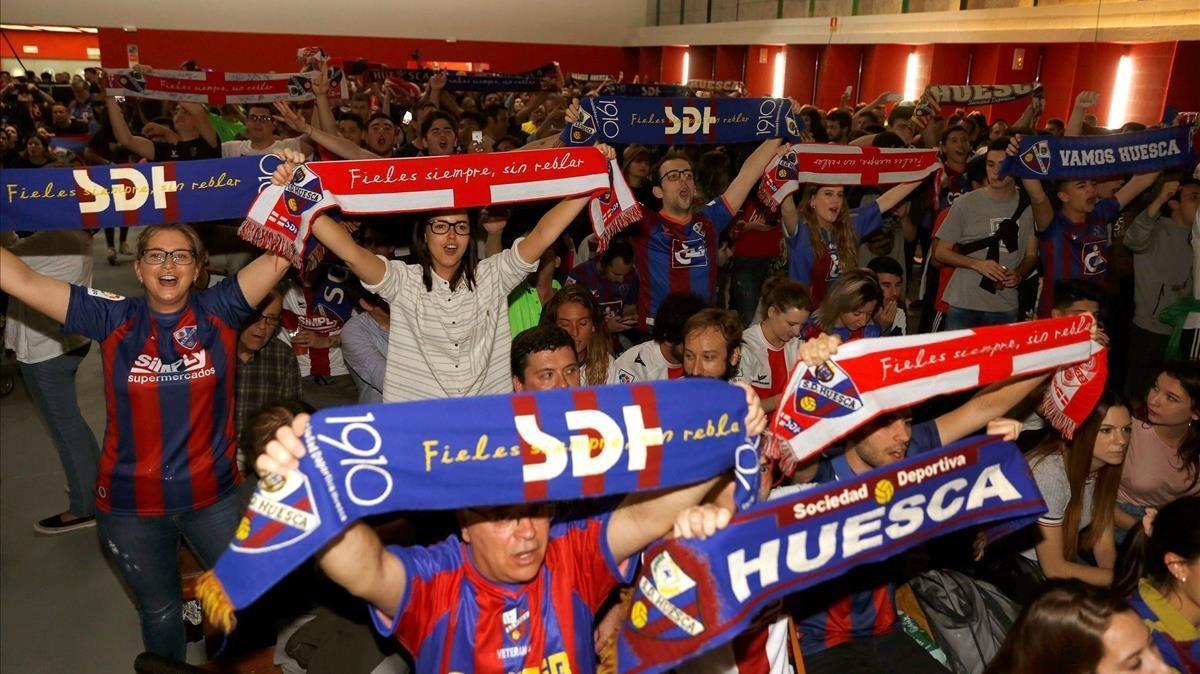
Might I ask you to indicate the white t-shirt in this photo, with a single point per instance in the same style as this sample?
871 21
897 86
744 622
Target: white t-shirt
242 148
65 255
643 362
755 365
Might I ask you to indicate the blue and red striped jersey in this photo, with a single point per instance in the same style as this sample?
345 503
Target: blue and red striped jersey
1072 250
817 270
862 603
168 379
612 296
677 256
453 619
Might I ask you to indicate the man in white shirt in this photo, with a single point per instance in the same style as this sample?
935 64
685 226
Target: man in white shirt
49 359
260 132
661 358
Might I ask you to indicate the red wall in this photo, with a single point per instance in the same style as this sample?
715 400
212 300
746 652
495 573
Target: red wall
730 59
701 62
1182 93
255 52
71 46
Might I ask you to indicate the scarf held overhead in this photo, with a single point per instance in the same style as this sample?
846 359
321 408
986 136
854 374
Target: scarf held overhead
126 195
694 595
538 79
218 88
842 165
670 121
525 447
280 220
972 95
868 377
652 89
1089 157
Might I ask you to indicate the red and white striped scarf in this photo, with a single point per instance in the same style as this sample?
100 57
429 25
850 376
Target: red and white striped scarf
280 220
842 165
869 377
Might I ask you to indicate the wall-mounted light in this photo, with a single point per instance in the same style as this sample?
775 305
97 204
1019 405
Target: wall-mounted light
780 70
1120 95
910 77
684 77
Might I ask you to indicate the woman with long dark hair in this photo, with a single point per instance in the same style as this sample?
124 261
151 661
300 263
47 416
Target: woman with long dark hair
1159 570
1078 480
449 334
1164 453
1074 628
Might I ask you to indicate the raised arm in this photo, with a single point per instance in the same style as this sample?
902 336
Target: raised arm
330 141
204 124
555 222
994 401
1138 233
751 173
139 145
643 518
1039 201
888 200
356 559
1135 186
324 117
362 262
257 278
789 215
1083 102
45 295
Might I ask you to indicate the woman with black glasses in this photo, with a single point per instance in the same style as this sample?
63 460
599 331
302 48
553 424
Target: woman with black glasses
449 334
168 462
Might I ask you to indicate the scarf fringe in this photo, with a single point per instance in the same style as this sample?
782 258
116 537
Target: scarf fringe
616 225
215 604
257 235
1057 418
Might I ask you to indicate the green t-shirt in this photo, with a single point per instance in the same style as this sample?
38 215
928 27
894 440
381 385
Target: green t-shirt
525 307
226 130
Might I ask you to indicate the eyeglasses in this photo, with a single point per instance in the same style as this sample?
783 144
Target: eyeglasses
443 226
260 118
182 257
270 319
677 175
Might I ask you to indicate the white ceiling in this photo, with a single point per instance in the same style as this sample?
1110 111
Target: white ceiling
591 22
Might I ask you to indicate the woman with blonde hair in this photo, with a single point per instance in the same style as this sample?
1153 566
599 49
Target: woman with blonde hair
828 242
575 309
847 311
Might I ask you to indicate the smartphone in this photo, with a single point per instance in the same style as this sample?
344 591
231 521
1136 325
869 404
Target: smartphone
476 136
893 98
849 90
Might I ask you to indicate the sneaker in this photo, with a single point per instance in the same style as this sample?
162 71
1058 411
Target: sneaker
57 525
125 249
112 256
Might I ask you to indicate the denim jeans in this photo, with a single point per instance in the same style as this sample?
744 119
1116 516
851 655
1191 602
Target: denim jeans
745 286
958 318
146 550
51 386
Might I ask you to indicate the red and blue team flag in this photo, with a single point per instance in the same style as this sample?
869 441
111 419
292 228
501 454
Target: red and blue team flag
872 376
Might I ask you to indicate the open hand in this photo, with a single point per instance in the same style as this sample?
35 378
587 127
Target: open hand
288 115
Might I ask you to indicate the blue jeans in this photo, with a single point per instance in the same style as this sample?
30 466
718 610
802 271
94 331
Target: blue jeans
958 318
146 550
745 285
51 386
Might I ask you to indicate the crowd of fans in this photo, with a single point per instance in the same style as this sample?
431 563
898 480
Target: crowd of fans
464 303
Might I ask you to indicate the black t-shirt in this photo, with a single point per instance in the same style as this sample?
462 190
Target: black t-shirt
76 127
185 150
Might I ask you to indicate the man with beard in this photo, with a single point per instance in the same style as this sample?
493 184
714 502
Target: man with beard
712 344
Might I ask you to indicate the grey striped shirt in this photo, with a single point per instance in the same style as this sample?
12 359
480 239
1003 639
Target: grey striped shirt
449 344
